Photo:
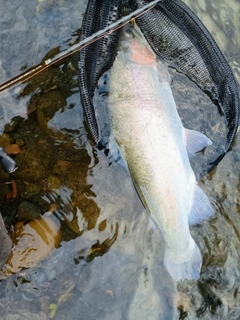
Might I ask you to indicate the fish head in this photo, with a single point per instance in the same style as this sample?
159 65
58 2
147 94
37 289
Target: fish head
135 47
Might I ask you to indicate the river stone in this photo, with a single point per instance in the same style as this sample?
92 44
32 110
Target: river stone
6 243
20 142
48 105
28 210
32 189
12 125
53 182
4 140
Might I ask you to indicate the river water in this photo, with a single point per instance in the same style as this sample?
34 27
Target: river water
109 263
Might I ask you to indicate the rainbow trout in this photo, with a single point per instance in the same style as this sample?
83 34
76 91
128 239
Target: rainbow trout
156 147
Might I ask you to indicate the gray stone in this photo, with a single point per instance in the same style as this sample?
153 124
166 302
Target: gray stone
6 243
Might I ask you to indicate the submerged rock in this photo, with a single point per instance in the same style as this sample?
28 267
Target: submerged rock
53 182
4 140
33 242
28 210
6 243
32 163
32 189
48 105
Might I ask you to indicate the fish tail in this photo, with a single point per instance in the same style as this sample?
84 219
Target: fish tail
190 269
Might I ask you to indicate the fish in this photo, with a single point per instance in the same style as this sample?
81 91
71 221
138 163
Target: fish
178 36
156 149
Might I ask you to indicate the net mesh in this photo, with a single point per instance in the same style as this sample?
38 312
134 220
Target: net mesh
179 37
96 58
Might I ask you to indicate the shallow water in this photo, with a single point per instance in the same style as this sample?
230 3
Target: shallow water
109 263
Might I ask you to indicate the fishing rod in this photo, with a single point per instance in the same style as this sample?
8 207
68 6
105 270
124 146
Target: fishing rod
82 44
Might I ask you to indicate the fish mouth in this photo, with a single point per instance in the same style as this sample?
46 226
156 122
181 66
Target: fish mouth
136 47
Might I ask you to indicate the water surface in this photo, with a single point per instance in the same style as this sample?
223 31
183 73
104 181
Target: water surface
109 263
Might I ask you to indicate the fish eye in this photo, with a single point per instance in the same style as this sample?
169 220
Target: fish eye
128 33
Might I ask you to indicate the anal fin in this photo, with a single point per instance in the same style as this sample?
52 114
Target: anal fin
201 208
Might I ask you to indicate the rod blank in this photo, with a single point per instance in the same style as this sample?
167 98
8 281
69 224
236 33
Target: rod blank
94 37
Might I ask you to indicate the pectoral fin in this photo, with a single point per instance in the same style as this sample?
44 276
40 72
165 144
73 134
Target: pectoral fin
195 141
115 153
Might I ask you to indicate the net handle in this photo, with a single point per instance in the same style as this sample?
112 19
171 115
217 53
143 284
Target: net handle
26 75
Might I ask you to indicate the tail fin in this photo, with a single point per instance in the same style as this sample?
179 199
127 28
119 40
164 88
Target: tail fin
188 270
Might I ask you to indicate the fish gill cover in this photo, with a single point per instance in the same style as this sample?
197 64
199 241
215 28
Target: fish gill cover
178 36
